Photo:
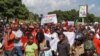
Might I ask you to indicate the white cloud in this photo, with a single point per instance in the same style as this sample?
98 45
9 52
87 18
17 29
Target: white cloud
91 7
44 6
99 9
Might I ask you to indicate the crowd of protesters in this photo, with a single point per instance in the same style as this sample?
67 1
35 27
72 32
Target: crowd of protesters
23 39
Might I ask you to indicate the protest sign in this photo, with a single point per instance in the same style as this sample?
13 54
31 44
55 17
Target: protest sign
51 18
71 23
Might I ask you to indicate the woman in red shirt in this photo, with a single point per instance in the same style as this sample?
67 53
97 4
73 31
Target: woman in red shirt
9 42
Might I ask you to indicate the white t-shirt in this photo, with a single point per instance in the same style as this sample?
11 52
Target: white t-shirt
71 37
18 34
47 36
54 41
53 38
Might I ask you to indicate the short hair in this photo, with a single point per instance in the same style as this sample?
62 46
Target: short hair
61 33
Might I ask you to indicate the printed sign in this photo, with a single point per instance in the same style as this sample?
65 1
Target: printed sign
83 11
51 18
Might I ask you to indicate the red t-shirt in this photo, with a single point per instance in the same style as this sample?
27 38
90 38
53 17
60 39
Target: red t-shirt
9 45
24 40
97 44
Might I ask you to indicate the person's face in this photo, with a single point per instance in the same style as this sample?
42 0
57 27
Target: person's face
46 27
15 27
37 30
12 25
31 29
37 26
61 37
8 30
51 31
70 29
31 39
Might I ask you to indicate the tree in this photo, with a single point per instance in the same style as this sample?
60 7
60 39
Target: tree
97 19
33 17
13 9
90 18
71 15
66 15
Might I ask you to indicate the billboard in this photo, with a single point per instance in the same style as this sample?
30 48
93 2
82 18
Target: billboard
83 11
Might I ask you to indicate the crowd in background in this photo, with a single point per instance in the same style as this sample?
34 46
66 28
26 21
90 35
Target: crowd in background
23 39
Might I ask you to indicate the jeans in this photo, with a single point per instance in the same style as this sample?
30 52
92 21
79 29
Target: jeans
8 53
18 50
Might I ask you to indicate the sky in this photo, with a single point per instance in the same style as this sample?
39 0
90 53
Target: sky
45 6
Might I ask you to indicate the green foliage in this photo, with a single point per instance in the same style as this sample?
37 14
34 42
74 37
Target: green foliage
90 18
97 19
66 15
72 15
14 9
33 17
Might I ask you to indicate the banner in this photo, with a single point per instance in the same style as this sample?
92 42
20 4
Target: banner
71 23
51 18
83 11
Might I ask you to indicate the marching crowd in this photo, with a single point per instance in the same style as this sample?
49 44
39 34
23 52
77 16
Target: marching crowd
23 39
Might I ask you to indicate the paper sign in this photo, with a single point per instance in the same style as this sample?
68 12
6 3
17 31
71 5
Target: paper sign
51 18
